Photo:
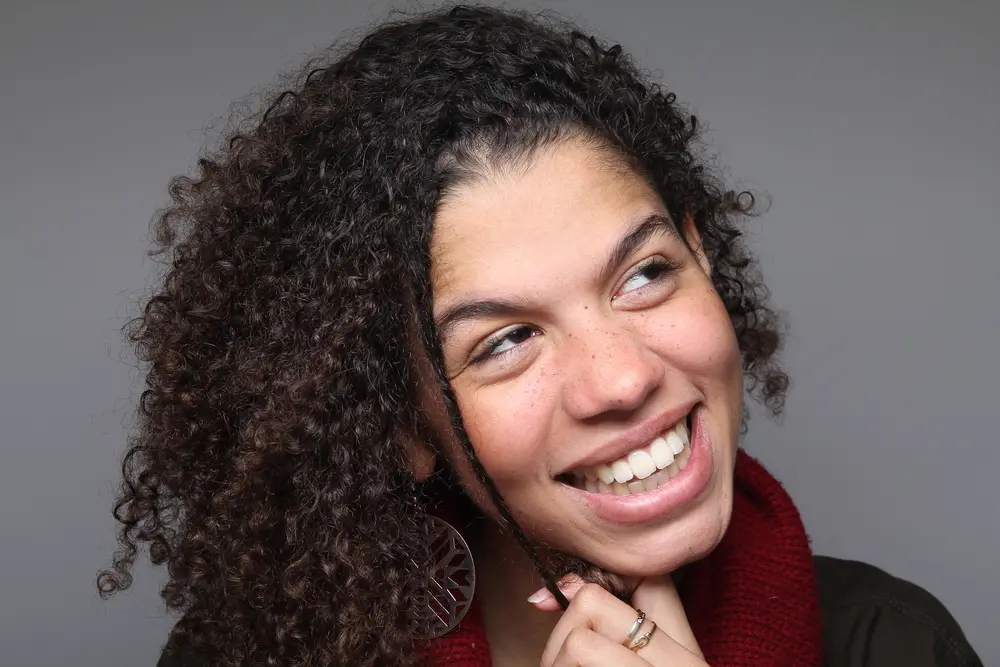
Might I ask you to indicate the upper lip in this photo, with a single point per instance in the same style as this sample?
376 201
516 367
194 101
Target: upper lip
634 438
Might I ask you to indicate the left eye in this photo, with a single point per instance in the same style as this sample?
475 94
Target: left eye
650 273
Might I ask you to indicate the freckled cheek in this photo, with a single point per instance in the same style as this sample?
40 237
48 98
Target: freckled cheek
507 427
700 340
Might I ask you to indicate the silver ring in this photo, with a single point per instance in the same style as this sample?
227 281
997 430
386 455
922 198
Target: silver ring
642 641
635 628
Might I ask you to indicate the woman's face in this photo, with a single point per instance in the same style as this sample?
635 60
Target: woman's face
585 343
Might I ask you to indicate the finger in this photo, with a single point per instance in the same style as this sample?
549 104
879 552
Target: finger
593 608
658 597
542 599
586 648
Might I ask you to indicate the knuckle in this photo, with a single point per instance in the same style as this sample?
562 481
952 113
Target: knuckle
590 596
579 642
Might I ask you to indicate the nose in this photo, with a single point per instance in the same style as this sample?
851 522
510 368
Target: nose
611 370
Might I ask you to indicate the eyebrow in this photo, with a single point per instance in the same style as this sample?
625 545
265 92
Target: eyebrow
474 310
634 238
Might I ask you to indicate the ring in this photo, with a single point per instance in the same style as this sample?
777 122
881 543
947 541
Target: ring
635 628
642 641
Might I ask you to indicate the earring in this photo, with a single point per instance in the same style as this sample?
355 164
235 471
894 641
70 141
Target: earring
451 582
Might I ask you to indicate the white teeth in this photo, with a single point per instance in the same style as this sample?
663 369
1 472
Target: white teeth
637 486
675 443
641 464
622 471
640 471
660 451
683 459
682 430
650 483
605 474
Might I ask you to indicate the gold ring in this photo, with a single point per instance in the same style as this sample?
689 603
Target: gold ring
642 641
635 628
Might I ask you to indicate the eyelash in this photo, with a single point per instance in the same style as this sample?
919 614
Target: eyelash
493 342
664 269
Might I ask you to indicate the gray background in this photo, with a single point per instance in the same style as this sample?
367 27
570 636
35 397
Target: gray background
871 124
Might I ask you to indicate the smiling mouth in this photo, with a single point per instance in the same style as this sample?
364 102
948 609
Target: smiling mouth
640 471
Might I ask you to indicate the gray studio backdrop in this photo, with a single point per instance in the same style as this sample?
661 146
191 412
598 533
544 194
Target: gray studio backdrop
871 124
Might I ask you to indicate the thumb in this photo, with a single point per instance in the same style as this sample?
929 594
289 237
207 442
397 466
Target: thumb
658 597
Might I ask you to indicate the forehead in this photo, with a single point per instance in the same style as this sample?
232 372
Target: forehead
518 229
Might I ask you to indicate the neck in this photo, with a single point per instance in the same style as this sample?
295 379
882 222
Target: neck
505 578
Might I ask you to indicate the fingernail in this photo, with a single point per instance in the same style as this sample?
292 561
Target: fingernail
540 595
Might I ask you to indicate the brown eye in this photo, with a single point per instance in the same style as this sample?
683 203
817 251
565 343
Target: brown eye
505 343
655 270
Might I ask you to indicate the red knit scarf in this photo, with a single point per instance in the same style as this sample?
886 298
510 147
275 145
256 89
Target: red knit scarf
752 601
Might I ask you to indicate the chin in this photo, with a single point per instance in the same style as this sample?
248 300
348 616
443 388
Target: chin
682 542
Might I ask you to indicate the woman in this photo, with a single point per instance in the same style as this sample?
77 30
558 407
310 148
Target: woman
464 311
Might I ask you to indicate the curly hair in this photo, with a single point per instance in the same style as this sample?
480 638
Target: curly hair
268 467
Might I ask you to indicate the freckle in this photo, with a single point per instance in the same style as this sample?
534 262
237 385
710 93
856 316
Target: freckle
593 356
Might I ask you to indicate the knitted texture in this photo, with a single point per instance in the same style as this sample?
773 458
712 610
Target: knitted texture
752 601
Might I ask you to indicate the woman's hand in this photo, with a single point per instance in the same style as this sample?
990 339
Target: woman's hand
591 631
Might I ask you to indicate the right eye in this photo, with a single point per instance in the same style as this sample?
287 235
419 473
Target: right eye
504 343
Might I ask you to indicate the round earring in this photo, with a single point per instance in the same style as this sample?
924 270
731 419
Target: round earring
451 583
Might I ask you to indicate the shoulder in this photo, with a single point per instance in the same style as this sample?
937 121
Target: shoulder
871 618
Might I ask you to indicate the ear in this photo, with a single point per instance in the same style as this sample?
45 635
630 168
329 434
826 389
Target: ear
421 457
693 238
422 437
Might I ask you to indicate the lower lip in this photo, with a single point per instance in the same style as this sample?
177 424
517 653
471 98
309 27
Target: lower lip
666 499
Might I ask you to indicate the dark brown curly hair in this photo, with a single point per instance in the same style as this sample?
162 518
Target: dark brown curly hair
268 469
